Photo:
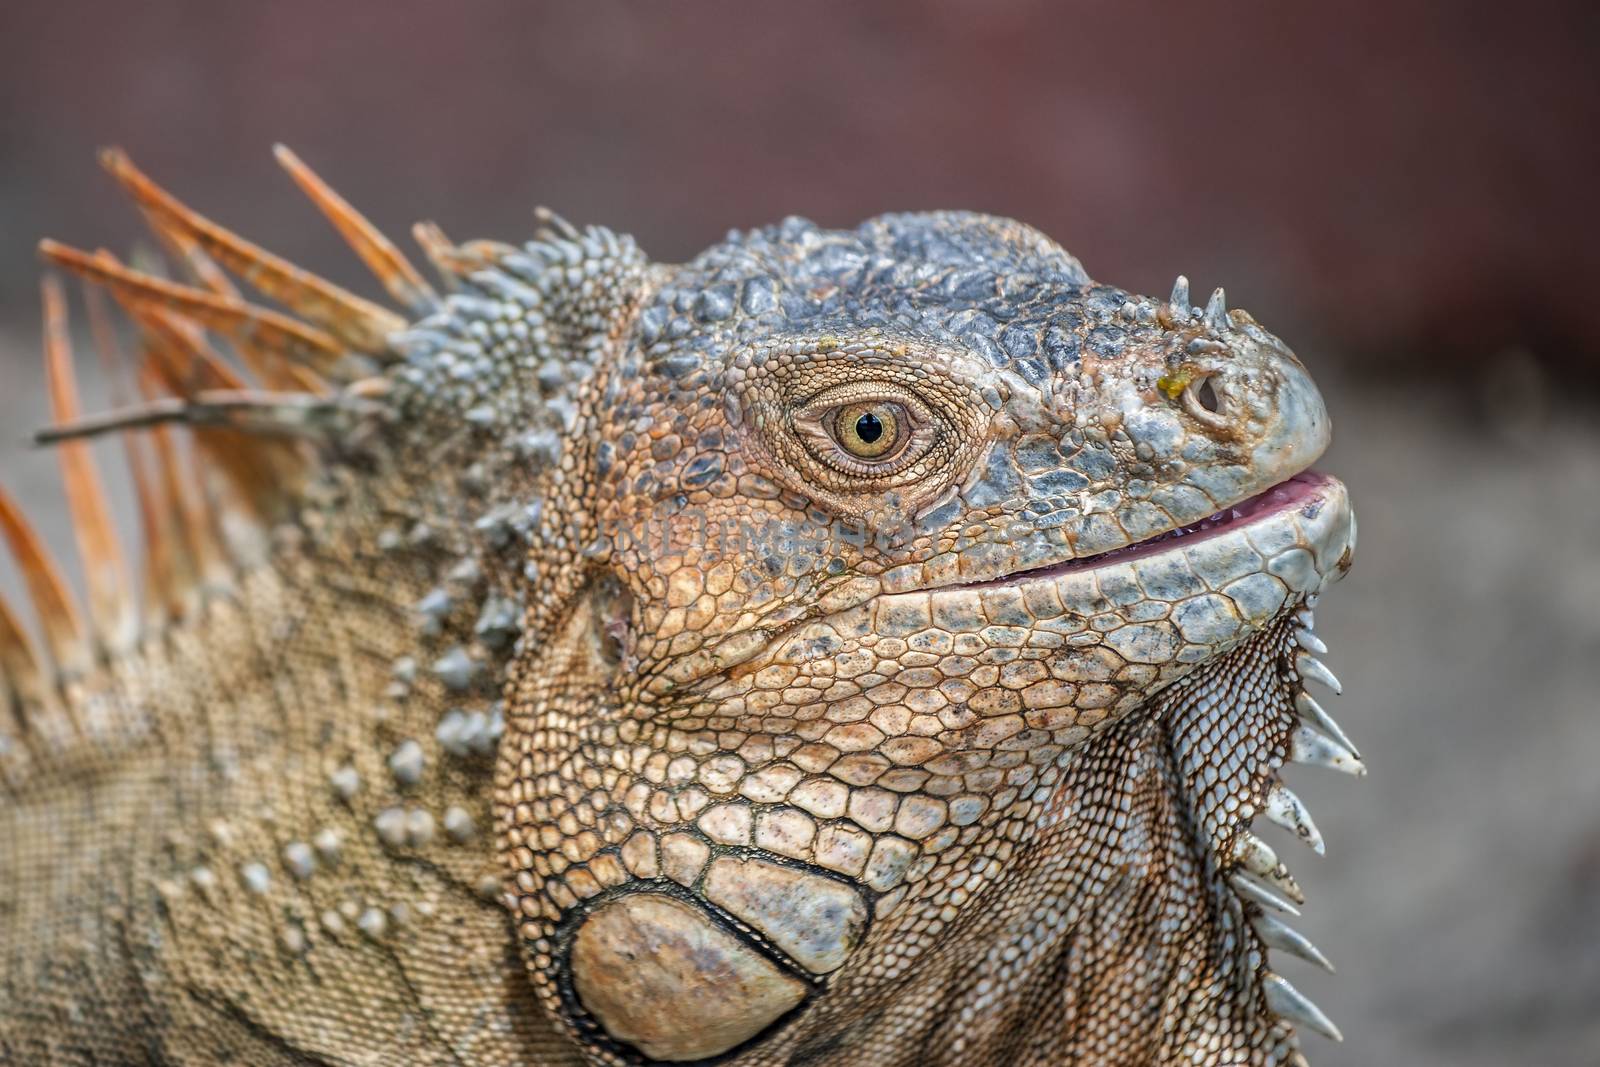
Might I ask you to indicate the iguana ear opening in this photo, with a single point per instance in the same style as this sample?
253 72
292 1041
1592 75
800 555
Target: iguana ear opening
612 609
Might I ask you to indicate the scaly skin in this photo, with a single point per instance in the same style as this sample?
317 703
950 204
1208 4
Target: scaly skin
809 756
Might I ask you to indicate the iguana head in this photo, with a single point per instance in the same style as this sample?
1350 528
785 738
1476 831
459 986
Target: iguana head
898 631
905 607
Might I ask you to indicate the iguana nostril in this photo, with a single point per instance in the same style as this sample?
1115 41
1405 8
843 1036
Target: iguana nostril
1202 401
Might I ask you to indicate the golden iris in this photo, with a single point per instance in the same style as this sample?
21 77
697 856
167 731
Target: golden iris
868 431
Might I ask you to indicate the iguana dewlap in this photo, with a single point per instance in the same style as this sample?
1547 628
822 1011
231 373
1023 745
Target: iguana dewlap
848 647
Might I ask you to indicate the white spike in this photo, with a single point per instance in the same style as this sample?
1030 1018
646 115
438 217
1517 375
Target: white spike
1284 882
1306 617
1217 310
1275 933
1287 1002
1312 669
1285 809
1281 880
1254 854
1179 300
1309 641
1310 709
1313 749
1261 895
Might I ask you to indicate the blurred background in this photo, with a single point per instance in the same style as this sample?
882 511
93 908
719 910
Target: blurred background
1404 191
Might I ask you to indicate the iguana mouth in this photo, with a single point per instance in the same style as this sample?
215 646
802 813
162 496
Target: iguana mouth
1306 489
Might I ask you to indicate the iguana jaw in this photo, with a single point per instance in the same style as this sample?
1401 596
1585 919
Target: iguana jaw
1308 491
1135 620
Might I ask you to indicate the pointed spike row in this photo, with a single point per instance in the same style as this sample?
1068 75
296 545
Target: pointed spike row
58 618
1285 809
387 262
1313 749
107 350
1312 669
1275 933
236 514
277 374
1217 311
1179 300
258 467
164 592
1260 895
1309 641
277 334
1306 618
1310 709
454 262
180 353
1254 854
439 250
183 335
1289 1004
201 268
188 363
1281 880
553 222
357 322
155 523
173 563
19 670
204 562
285 377
110 599
485 254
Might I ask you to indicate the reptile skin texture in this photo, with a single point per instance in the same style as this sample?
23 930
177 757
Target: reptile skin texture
860 647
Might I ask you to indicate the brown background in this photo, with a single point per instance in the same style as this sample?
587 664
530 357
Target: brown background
1403 190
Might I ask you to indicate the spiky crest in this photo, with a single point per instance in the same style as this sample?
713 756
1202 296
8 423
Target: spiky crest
385 261
110 600
354 322
215 460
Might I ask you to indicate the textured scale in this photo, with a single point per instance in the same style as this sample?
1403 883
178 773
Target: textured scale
848 647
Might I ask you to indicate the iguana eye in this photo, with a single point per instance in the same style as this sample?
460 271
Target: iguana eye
864 432
869 431
889 433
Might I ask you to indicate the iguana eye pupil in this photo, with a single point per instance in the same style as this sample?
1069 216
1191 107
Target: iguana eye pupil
868 431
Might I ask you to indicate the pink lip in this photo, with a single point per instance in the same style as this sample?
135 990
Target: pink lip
1303 488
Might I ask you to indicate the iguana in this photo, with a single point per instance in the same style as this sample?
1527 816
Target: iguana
848 647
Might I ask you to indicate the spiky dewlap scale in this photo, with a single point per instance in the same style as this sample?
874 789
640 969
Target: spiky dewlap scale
415 748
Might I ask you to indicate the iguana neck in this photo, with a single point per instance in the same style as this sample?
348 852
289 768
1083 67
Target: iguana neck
290 786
